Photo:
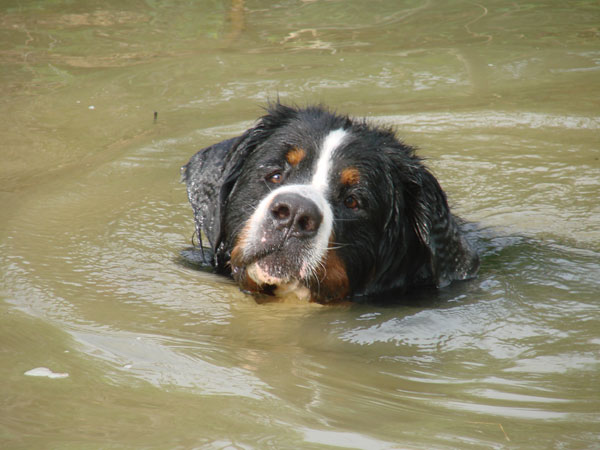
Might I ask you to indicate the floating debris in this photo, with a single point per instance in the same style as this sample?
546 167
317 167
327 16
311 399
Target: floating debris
45 372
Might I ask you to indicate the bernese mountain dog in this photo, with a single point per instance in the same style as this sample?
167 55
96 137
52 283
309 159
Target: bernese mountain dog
326 207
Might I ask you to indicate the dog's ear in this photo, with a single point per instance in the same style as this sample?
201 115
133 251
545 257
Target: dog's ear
450 255
422 241
203 175
211 174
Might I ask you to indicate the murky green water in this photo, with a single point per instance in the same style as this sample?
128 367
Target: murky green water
501 97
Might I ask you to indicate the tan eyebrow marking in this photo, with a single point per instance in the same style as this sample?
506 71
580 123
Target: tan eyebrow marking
295 155
350 176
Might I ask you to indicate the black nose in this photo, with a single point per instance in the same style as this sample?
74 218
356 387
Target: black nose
297 213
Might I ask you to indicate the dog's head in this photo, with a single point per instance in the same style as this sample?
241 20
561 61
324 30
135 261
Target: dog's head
324 206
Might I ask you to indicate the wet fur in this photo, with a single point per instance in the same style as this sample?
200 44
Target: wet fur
405 236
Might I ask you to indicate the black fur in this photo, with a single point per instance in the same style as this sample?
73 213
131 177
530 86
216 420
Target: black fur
403 235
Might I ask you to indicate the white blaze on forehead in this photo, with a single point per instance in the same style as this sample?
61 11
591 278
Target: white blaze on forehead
315 191
332 141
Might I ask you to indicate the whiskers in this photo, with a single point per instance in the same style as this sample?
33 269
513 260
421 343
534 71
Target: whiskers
339 219
252 207
336 245
316 274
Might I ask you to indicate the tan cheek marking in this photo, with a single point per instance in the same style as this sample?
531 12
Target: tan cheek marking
350 176
246 283
335 286
236 259
238 268
295 155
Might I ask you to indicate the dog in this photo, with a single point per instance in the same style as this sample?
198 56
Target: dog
325 207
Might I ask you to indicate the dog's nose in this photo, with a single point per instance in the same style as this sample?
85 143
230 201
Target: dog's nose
297 213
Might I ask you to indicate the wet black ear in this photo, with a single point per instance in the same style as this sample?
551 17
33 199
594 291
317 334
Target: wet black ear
204 176
211 174
450 255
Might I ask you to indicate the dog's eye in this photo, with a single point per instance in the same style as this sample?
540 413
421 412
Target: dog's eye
351 202
274 177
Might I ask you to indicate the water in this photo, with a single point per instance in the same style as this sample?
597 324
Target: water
501 98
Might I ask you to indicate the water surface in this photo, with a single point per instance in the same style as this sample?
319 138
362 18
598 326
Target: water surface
502 100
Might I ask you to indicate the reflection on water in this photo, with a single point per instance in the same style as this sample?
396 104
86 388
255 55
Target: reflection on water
501 101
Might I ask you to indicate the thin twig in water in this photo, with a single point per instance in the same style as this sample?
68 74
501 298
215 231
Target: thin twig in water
468 24
494 423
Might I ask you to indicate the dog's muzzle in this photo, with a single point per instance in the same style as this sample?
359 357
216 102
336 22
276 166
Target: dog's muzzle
286 238
295 216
